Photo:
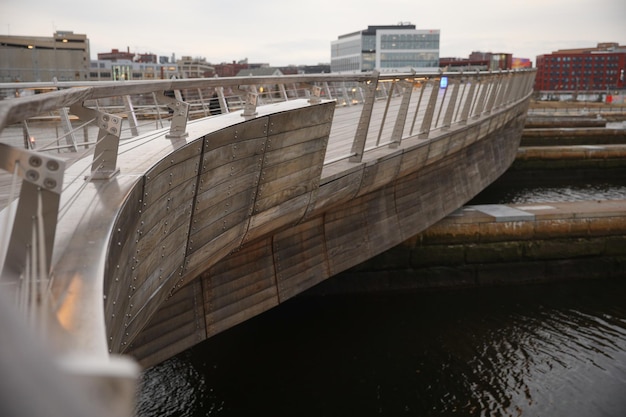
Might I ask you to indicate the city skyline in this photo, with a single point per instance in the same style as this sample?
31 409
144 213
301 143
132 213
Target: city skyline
284 33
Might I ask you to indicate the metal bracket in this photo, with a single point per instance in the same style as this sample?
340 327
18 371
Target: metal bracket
249 108
42 182
180 113
104 165
316 95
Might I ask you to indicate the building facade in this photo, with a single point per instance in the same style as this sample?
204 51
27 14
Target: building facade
397 48
598 69
63 56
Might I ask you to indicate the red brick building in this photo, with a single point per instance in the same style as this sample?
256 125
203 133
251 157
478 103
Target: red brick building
587 69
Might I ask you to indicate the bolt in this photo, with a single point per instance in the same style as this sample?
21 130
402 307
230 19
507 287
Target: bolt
35 161
49 183
52 165
32 175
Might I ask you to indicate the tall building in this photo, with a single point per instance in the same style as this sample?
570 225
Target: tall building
584 69
392 48
64 56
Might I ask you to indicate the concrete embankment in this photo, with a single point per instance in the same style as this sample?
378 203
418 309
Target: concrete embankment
512 244
501 244
569 153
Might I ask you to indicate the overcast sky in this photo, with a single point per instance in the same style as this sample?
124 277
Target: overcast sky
284 32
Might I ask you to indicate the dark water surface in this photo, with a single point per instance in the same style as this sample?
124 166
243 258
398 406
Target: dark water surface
544 350
553 191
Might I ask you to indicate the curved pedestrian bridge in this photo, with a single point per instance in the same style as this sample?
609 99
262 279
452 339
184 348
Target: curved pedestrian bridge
178 216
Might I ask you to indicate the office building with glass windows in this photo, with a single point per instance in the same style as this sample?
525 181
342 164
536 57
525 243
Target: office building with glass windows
391 48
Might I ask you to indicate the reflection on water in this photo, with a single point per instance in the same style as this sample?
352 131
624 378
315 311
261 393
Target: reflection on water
549 350
552 192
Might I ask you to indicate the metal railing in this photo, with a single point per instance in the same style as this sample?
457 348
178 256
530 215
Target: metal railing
80 115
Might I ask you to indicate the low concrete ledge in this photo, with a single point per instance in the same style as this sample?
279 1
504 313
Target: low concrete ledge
482 245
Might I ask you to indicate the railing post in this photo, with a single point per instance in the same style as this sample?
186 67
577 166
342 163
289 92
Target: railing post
249 109
382 123
417 108
222 100
327 89
346 96
398 129
468 102
178 126
316 93
505 84
358 145
495 84
67 127
205 110
480 104
29 141
130 115
283 92
38 204
430 111
447 118
104 165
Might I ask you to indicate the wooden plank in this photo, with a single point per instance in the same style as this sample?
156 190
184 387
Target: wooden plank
282 189
170 179
230 172
380 174
307 116
298 136
210 253
181 156
277 216
232 152
273 157
304 161
209 231
246 130
167 208
222 208
209 197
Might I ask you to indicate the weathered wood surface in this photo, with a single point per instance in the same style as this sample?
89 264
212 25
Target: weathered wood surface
356 213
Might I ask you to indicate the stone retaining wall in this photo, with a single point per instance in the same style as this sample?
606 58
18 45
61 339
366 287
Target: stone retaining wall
473 247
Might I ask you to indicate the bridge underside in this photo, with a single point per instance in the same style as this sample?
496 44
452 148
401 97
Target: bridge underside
252 246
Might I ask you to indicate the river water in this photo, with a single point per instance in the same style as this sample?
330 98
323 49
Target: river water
556 350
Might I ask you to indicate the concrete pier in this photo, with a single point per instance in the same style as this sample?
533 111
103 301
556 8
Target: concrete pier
501 245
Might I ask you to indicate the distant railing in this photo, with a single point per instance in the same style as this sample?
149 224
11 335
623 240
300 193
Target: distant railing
80 115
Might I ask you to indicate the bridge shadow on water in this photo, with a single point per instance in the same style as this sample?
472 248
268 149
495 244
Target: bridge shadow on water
553 349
